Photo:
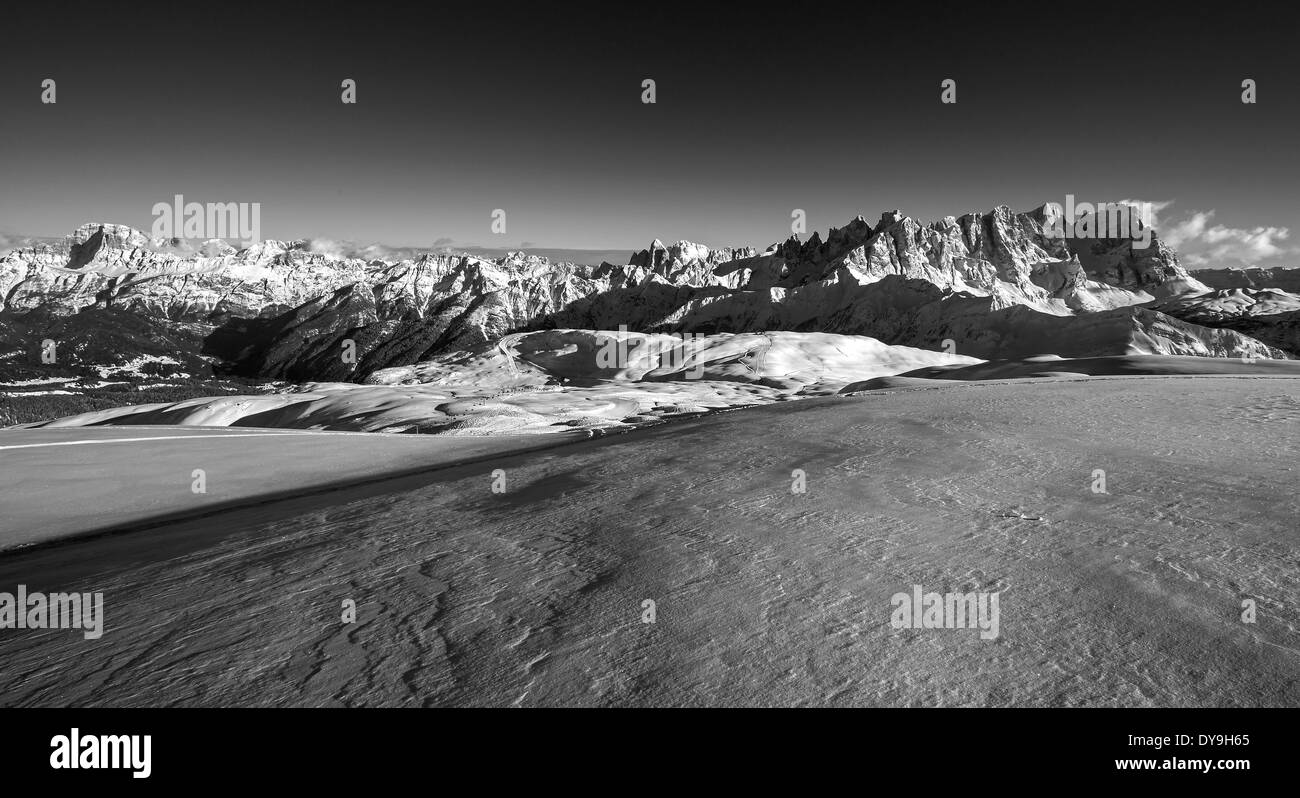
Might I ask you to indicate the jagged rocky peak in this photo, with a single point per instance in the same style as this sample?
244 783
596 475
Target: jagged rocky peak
1048 215
117 235
650 258
889 218
85 243
686 264
803 261
659 258
119 241
839 240
81 253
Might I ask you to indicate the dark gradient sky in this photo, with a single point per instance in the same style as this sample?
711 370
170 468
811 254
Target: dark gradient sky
830 108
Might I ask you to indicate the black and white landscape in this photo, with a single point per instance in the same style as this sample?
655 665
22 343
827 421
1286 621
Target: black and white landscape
1031 443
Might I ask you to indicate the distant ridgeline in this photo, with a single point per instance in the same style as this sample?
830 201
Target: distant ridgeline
994 285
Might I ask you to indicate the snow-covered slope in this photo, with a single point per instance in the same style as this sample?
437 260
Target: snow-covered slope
557 380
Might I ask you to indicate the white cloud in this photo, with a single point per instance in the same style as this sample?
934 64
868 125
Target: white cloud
1154 206
1201 242
352 250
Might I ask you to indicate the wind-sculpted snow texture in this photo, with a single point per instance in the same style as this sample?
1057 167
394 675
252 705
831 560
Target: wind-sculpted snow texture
535 596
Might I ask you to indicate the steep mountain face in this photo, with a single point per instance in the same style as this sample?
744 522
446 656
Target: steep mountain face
991 285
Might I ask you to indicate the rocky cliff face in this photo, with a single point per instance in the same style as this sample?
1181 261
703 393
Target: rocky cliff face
993 283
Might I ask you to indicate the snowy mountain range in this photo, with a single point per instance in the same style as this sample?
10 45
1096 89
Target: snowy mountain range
984 285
